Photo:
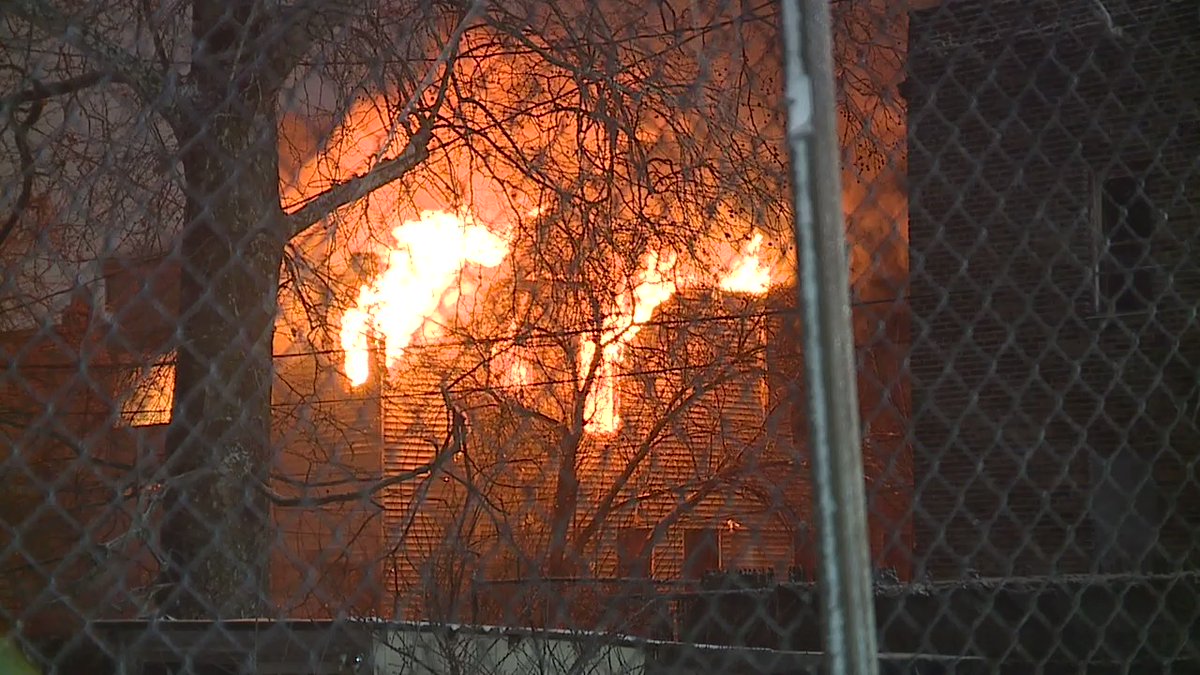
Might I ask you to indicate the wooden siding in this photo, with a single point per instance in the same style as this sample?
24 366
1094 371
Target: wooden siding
715 341
328 433
415 426
725 427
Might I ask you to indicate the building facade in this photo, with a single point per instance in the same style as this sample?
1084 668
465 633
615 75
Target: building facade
1053 221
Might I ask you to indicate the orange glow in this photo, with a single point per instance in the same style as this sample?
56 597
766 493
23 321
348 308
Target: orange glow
418 276
511 366
620 327
518 373
747 273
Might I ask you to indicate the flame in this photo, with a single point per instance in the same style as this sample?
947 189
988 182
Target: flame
511 364
747 273
518 373
620 327
419 272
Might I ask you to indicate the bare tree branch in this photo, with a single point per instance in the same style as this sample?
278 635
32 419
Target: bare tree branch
452 445
21 138
39 91
117 63
681 401
356 494
349 191
304 23
36 94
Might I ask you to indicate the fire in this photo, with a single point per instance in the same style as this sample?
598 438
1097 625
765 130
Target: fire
421 276
620 327
518 373
511 364
419 272
748 274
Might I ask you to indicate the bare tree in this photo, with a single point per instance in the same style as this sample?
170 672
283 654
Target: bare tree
629 129
213 79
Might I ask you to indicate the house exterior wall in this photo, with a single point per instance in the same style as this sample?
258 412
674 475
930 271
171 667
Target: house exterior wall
721 446
710 456
61 433
1024 394
729 463
420 514
328 435
46 405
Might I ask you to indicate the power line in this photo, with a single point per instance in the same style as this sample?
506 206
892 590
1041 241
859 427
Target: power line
540 338
393 392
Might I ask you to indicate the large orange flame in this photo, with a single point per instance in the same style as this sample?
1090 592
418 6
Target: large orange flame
419 276
621 325
747 273
419 273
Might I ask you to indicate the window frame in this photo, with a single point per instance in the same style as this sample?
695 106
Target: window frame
1139 279
644 570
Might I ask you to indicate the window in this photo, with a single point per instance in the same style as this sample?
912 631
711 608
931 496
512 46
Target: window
1124 271
804 553
635 553
701 552
149 400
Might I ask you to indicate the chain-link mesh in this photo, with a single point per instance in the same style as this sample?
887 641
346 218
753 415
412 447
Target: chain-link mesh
454 336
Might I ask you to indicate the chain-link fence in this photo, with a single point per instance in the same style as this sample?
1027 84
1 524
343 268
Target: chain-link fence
447 336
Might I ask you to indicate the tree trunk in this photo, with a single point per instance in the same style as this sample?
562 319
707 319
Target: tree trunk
566 501
217 530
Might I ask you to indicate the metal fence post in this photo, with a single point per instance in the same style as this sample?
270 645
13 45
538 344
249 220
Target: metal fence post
847 603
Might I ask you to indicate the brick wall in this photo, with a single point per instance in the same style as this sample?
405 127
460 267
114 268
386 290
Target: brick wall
1015 111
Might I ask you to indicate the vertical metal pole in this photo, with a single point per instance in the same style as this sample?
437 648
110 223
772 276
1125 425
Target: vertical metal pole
824 293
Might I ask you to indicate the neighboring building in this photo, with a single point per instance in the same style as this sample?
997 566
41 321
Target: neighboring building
51 410
87 401
1053 223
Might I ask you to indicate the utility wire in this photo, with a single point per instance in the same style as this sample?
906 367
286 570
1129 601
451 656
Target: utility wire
540 338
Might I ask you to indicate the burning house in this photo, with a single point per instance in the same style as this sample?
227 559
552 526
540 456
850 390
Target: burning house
478 384
637 450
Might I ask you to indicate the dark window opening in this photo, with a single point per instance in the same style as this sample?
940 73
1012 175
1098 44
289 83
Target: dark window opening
701 552
1125 274
635 553
803 548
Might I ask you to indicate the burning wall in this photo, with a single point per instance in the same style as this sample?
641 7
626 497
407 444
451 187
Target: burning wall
431 266
678 181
